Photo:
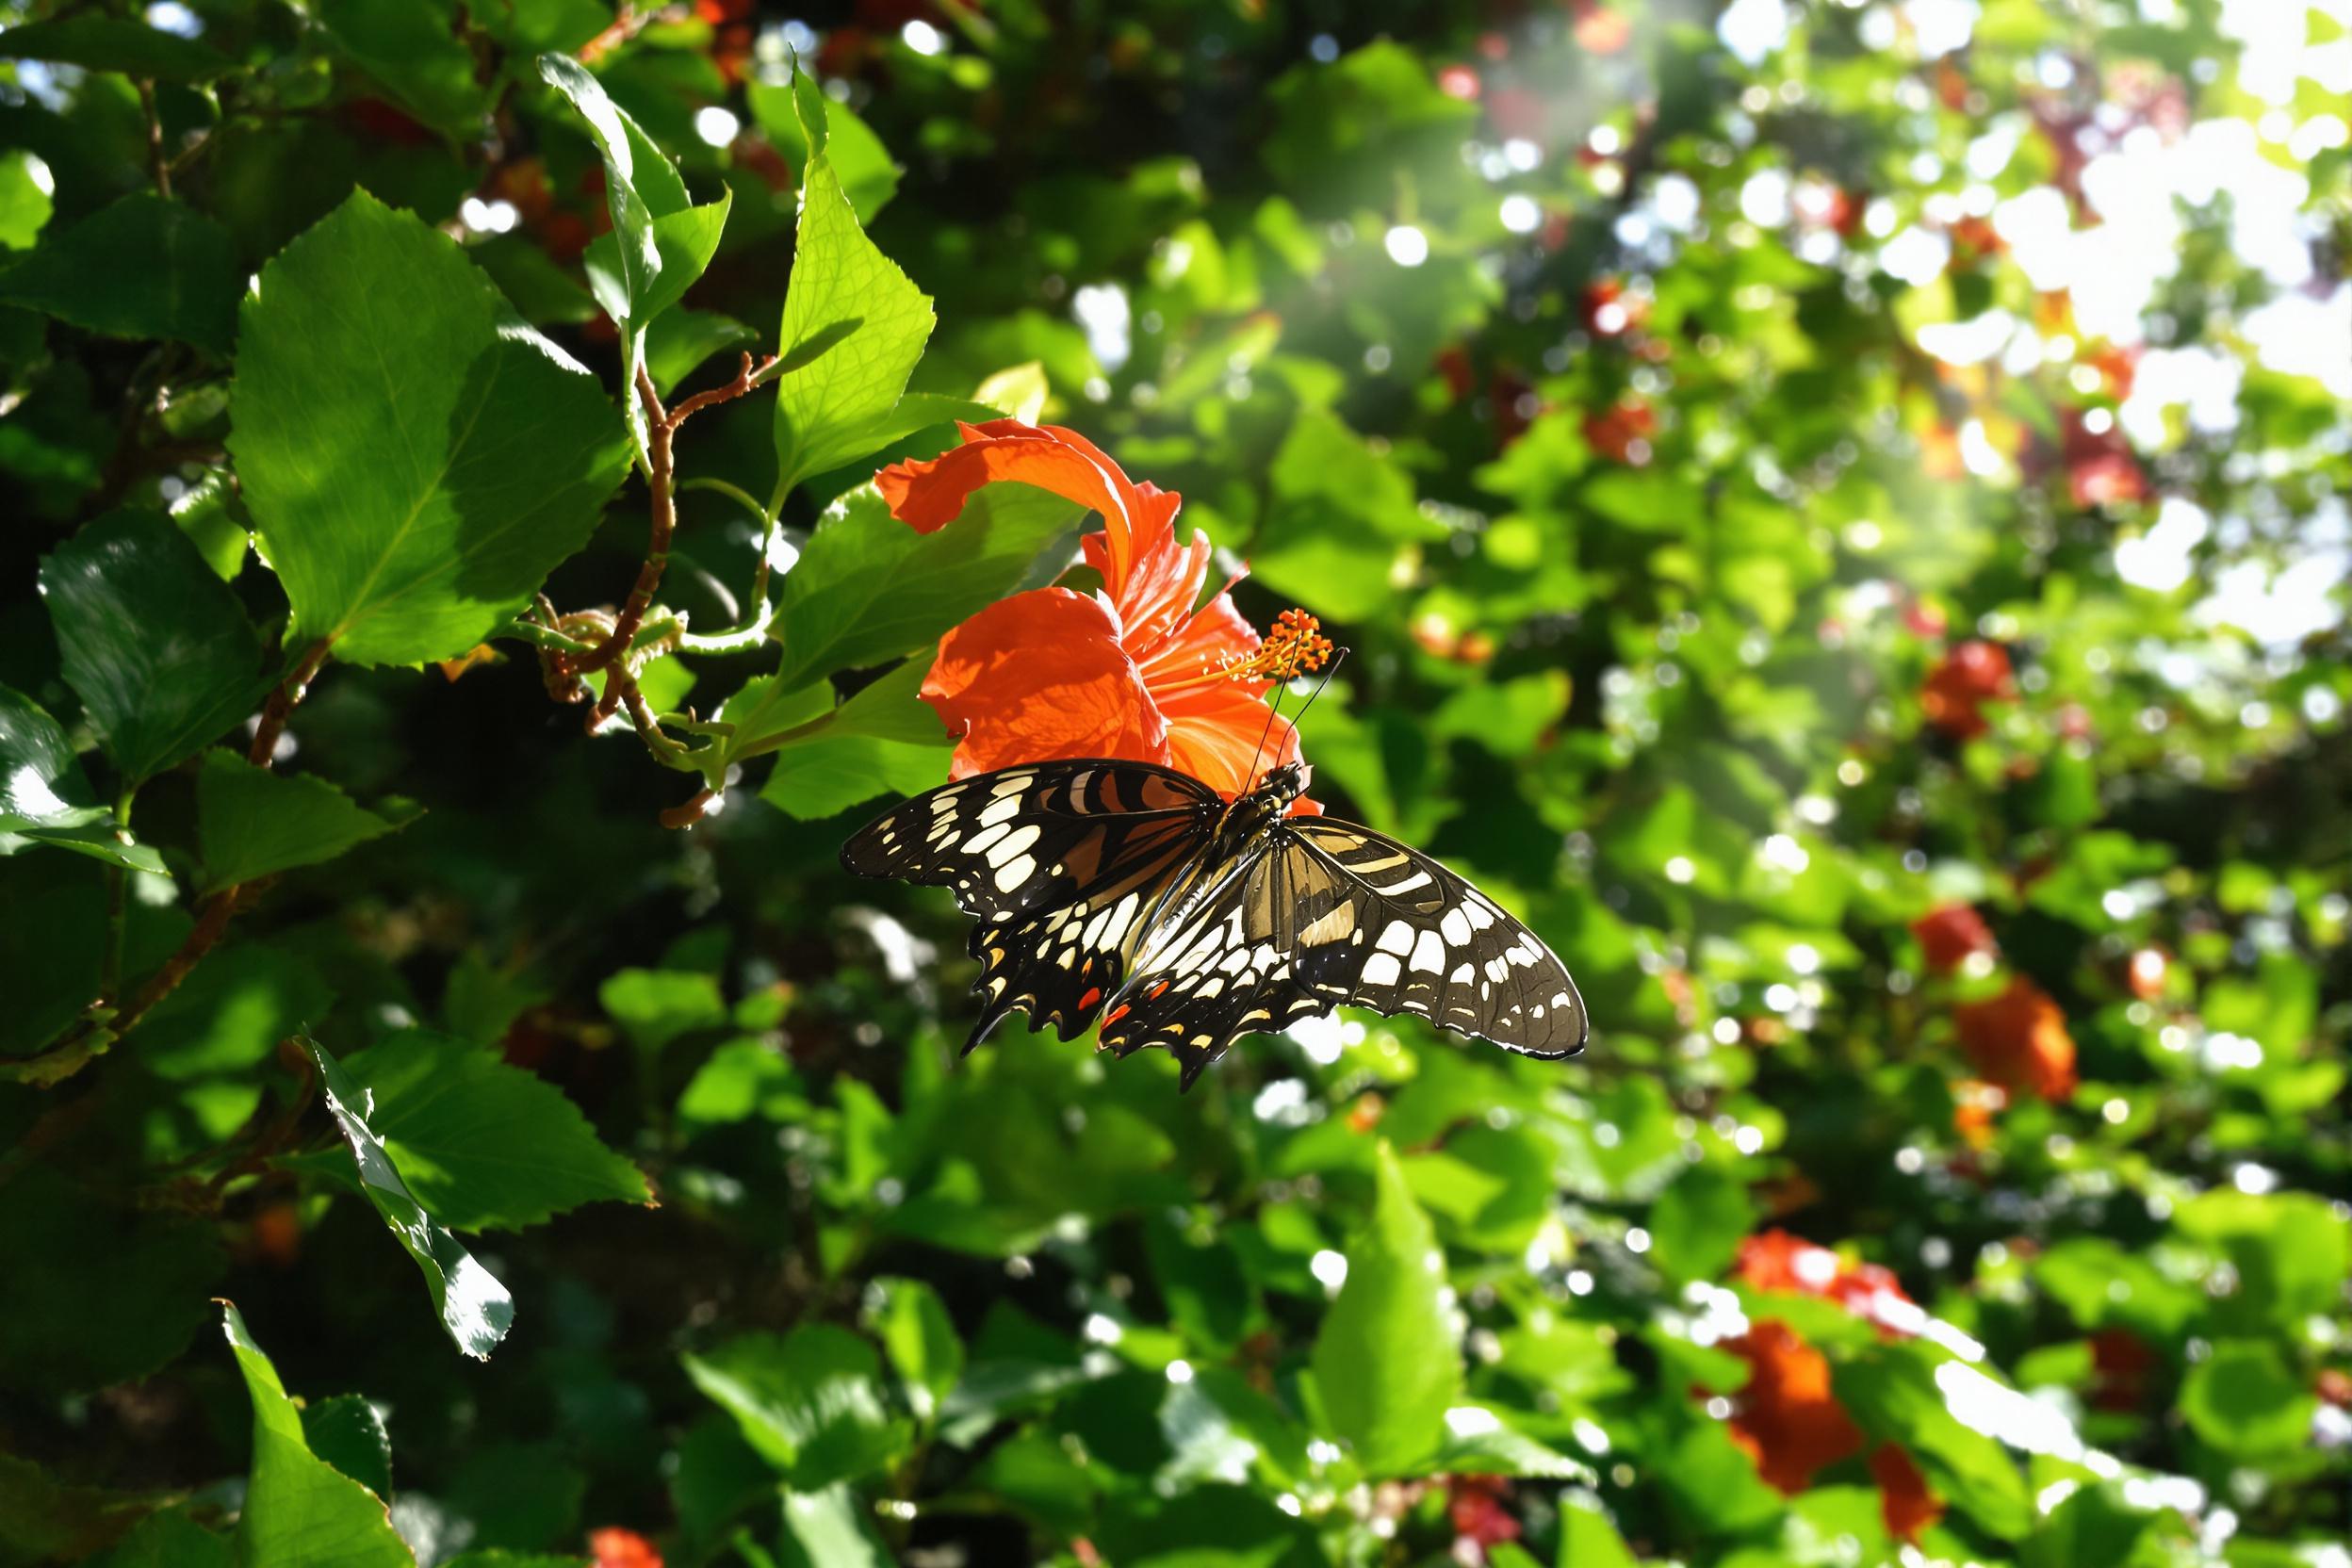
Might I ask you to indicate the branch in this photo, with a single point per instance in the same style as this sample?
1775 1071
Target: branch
104 1023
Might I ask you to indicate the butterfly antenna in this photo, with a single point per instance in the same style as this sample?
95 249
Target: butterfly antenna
1274 711
1329 670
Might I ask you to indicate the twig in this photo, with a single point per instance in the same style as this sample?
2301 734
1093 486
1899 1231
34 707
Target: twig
157 164
104 1023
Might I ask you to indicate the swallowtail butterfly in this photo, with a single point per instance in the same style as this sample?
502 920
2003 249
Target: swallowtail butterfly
1135 894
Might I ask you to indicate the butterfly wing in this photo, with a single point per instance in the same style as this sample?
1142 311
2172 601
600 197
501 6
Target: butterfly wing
1386 927
1324 914
1217 968
1062 862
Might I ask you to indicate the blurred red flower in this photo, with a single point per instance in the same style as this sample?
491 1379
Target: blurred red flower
1950 936
1475 1504
620 1548
1775 1260
2019 1039
2122 1365
1599 29
2100 469
1792 1425
1903 1497
1966 679
1141 669
1786 1418
1621 432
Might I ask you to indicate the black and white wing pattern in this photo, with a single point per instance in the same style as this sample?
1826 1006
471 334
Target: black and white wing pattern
1063 864
1326 913
1385 927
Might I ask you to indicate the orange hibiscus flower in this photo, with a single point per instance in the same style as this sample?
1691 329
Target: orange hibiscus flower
620 1548
1791 1424
1141 669
2018 1040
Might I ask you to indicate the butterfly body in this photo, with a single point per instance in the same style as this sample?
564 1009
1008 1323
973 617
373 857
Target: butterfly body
1134 895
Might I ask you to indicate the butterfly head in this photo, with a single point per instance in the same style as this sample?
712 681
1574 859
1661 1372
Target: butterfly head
1284 783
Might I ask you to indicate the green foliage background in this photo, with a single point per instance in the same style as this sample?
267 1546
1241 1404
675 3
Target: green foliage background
1581 370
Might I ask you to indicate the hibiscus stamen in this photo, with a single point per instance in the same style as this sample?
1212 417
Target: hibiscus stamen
1296 646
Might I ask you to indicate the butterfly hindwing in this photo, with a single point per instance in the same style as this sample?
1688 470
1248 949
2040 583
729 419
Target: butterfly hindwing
1063 864
1219 969
1388 928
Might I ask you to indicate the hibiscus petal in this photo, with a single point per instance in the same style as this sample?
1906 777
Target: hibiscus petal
1155 593
1218 731
1041 676
930 495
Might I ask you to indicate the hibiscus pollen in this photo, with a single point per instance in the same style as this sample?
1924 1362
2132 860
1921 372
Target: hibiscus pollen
1293 648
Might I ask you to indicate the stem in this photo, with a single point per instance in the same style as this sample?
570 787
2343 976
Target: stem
110 971
157 164
665 508
102 1026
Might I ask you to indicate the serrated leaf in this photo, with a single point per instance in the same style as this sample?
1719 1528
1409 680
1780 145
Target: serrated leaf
1387 1362
251 822
867 588
810 1402
157 645
482 1145
230 1014
829 411
474 1307
143 267
415 459
299 1511
348 1432
868 177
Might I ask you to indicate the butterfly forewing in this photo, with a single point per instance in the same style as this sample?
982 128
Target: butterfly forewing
1063 862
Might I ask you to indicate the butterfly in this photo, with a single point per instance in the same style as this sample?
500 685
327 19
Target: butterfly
1136 895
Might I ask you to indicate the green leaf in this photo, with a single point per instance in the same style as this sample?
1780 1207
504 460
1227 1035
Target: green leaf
474 1307
1478 1442
684 241
1906 1393
42 784
251 822
2291 1254
25 205
832 1529
95 1292
679 341
299 1511
911 1321
143 267
415 51
640 184
1387 1362
482 1145
834 407
1697 1223
810 1402
883 739
348 1432
108 43
657 1005
157 646
2245 1401
415 459
868 177
170 1540
1588 1538
230 1014
867 588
